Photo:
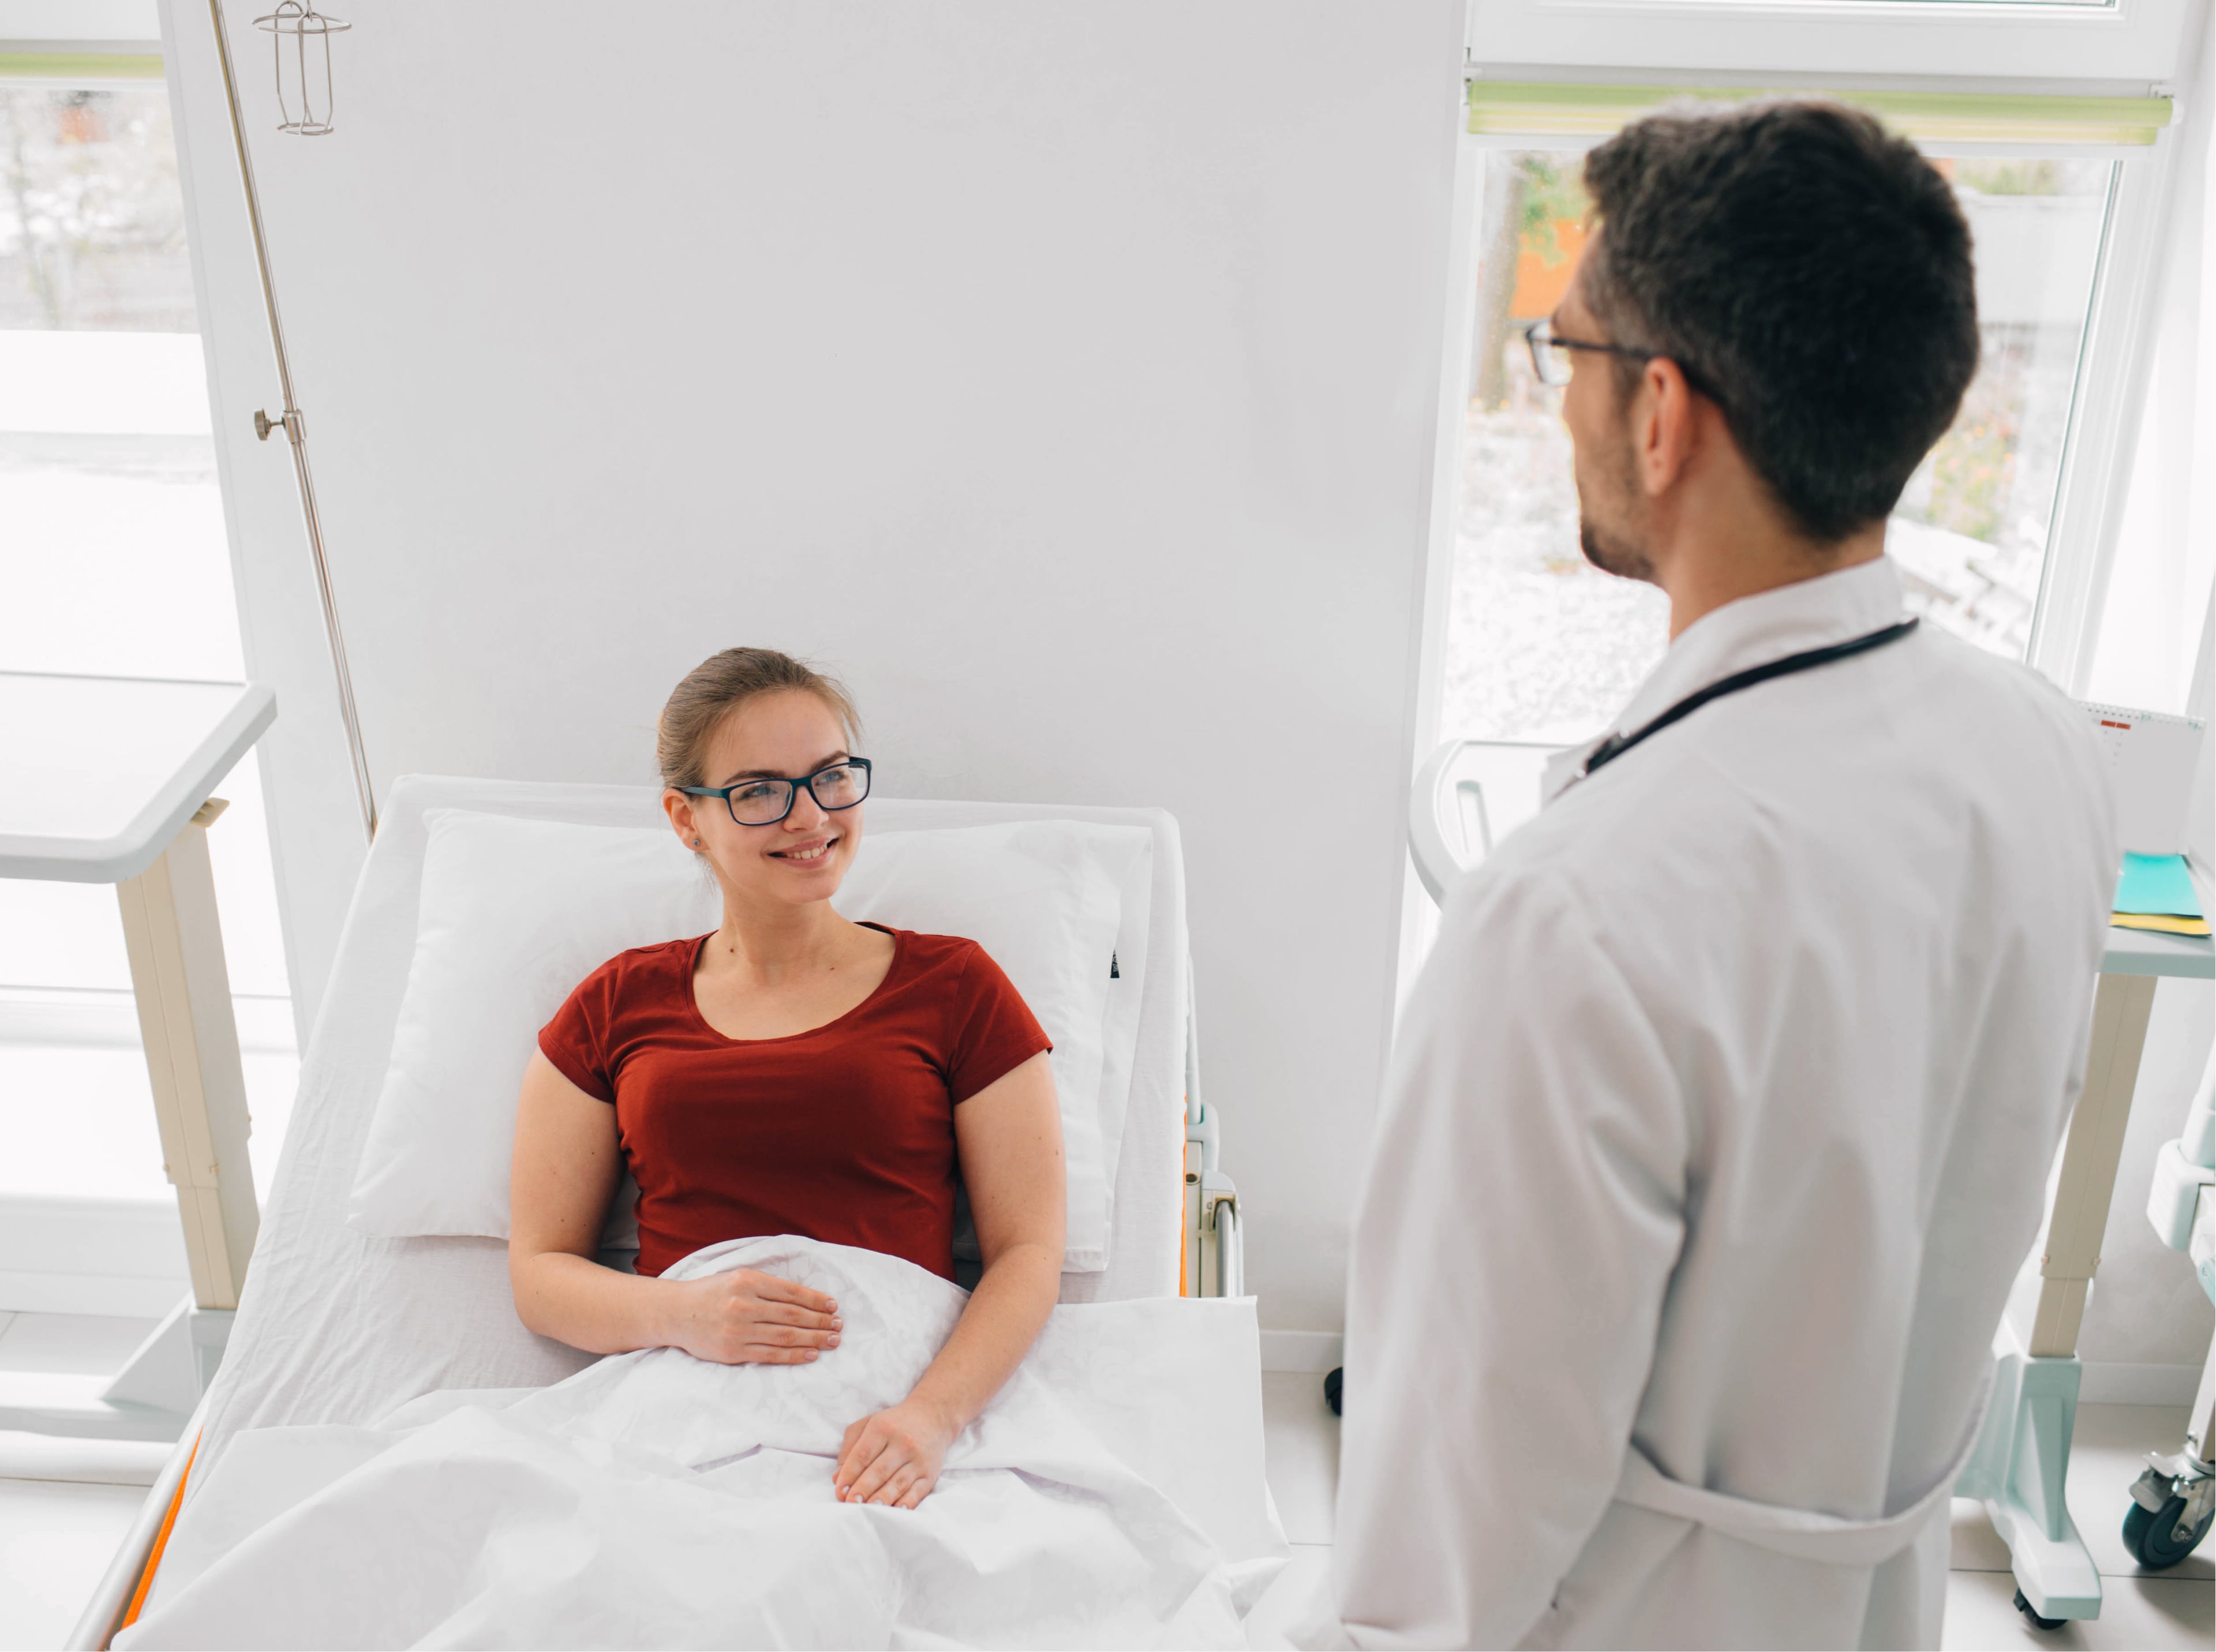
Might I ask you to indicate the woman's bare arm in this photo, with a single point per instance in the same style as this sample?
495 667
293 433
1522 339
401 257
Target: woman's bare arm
566 1167
1009 1137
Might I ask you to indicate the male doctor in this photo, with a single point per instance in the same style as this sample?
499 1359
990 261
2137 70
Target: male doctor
1720 1119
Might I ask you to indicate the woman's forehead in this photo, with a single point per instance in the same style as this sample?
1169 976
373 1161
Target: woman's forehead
775 729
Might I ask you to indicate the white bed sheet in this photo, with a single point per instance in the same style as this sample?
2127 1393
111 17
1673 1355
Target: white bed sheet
337 1327
656 1501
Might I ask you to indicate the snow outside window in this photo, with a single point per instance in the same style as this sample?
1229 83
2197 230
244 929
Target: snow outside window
1542 646
112 560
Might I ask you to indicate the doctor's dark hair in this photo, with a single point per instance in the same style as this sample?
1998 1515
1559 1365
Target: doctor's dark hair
721 684
1810 273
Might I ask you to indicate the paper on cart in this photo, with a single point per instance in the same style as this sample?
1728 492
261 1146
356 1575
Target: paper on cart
2150 757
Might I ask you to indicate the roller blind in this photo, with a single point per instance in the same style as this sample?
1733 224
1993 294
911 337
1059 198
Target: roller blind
1572 109
80 68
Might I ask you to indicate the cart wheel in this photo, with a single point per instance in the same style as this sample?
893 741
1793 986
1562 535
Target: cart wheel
2037 1621
1333 1386
2152 1537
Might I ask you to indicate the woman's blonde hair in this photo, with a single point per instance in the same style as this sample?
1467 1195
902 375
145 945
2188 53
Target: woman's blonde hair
721 684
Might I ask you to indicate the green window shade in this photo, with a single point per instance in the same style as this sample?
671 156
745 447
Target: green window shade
80 68
1575 110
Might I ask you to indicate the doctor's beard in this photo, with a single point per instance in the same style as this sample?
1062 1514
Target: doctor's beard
1615 546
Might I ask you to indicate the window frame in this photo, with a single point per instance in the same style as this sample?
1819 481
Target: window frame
2124 42
2115 362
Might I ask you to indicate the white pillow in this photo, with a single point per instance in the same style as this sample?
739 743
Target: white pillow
1044 899
515 912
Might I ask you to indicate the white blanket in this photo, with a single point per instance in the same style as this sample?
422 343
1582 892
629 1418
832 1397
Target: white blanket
657 1500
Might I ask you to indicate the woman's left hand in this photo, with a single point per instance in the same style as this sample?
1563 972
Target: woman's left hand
893 1457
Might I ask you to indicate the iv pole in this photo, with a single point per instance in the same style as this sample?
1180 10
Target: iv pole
296 432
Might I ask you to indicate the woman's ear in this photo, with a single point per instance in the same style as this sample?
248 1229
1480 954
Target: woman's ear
679 808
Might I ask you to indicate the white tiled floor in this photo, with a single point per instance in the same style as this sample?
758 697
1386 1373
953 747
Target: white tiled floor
56 1538
2169 1609
57 1528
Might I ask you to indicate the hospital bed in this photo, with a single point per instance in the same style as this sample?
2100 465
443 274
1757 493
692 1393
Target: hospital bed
1469 794
337 1327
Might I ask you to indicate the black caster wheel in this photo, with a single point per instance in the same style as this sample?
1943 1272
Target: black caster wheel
2036 1621
2153 1537
1334 1385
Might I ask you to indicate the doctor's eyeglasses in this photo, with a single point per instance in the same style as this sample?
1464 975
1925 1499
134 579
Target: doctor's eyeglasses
1551 355
765 802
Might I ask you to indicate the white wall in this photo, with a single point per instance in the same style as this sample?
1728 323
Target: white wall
1063 372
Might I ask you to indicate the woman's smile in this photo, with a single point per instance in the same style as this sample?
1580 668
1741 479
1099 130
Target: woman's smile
807 854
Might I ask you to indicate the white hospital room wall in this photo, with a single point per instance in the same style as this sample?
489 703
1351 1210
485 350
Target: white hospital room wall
1062 372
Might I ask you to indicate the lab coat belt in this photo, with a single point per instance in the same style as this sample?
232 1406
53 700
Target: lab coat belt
1801 1534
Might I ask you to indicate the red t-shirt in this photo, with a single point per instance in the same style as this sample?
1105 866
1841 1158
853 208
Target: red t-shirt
843 1133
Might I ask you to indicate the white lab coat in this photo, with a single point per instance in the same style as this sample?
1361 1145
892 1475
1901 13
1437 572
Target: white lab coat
1716 1131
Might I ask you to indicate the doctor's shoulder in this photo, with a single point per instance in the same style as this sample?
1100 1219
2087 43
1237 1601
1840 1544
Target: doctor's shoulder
2012 715
1624 823
1587 850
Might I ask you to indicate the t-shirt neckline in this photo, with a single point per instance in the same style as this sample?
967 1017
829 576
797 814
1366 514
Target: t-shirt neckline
692 998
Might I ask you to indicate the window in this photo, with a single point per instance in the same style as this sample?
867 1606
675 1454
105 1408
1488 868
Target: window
1540 646
113 560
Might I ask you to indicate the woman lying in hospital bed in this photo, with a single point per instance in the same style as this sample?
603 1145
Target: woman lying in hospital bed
791 1072
754 1467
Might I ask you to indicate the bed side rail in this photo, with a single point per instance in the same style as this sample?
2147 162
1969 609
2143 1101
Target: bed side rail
1214 1262
103 1614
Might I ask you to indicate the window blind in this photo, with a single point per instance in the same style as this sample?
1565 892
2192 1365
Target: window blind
1572 109
80 68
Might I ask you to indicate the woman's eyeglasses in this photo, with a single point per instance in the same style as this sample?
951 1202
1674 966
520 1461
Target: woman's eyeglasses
765 802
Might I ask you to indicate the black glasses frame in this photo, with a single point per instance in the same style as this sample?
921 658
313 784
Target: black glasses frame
1541 337
792 783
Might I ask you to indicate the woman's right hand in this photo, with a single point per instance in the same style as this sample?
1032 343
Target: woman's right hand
743 1318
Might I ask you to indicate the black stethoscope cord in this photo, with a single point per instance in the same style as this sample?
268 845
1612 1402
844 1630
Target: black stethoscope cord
1616 744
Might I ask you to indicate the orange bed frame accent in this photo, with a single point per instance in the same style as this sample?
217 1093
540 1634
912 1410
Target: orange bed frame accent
161 1540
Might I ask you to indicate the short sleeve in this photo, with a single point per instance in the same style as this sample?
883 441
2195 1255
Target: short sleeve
575 1040
990 1030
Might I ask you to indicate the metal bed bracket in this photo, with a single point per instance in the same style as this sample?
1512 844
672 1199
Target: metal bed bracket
1215 1246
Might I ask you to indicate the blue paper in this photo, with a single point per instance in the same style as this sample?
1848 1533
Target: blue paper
2158 885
